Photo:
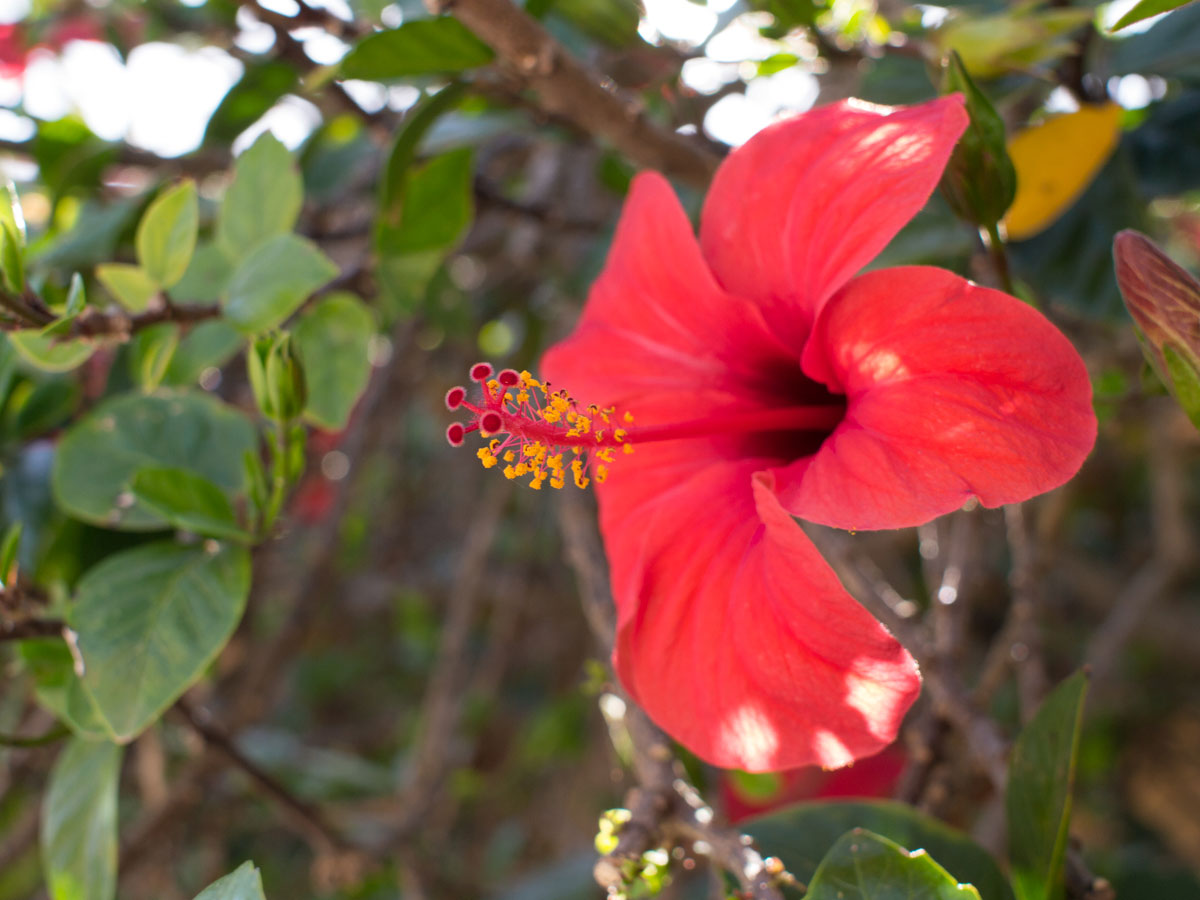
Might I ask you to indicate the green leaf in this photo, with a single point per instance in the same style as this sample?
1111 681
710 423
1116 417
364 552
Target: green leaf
404 149
150 353
802 835
208 345
435 206
49 353
100 454
423 47
1145 10
131 286
12 261
1041 774
262 201
149 621
1185 381
79 822
1168 49
615 22
206 277
274 280
166 236
243 883
865 866
404 281
76 297
979 181
261 86
333 338
187 501
42 405
10 209
8 551
58 688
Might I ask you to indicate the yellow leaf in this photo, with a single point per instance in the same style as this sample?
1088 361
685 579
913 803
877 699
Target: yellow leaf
1055 161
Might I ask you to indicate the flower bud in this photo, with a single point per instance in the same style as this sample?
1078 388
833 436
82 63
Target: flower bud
979 182
1164 301
277 377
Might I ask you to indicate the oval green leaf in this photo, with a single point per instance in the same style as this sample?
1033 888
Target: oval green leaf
333 339
802 835
98 457
273 281
865 866
131 286
148 621
79 822
422 47
262 201
187 501
1041 775
52 668
166 236
243 883
49 353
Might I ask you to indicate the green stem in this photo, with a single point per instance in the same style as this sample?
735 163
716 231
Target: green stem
54 734
999 256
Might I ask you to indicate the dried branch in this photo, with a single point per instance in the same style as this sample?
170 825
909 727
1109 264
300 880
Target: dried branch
28 311
565 88
24 629
444 697
308 819
1172 555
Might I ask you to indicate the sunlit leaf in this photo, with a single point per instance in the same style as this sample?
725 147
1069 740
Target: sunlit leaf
865 866
50 353
423 47
166 236
130 285
1145 9
802 835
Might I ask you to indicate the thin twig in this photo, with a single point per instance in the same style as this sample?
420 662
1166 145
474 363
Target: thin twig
444 697
31 628
323 837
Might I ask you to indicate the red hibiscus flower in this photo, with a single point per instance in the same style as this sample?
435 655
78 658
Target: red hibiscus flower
766 380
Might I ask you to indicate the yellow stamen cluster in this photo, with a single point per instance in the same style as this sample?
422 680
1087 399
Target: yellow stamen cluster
544 461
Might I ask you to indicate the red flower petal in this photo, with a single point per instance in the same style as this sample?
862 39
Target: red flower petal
656 320
954 391
734 634
807 202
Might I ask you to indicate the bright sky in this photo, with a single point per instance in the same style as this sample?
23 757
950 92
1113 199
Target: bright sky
160 98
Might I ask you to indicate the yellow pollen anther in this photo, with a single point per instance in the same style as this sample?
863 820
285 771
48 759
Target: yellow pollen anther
536 426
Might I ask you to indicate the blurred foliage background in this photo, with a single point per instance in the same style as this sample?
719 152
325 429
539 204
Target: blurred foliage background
246 248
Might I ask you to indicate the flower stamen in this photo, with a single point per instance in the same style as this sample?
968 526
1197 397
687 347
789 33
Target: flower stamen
532 429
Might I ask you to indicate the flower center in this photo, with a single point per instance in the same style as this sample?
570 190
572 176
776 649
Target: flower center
545 434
